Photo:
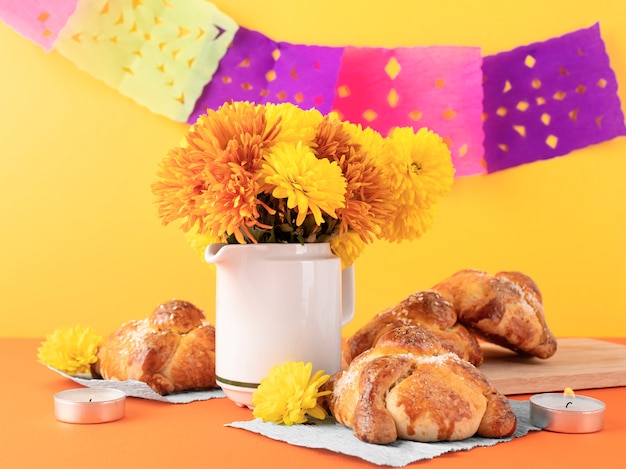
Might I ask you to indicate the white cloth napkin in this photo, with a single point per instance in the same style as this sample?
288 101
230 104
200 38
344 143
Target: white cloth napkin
139 389
327 434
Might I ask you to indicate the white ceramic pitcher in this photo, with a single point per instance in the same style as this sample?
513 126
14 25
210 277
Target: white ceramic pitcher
277 303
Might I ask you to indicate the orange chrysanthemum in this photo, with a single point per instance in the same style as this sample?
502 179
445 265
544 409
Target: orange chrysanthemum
354 149
212 181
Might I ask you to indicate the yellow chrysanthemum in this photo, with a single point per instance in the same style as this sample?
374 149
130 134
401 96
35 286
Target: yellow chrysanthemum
420 172
199 241
348 246
289 393
294 124
293 172
70 349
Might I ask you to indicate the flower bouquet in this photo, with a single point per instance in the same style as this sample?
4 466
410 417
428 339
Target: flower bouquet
275 173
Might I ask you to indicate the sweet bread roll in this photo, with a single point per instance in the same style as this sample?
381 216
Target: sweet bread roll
408 386
505 309
427 308
173 350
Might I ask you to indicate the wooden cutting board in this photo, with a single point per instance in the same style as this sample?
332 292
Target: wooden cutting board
577 364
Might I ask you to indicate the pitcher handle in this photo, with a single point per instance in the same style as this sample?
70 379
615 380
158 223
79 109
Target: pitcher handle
347 295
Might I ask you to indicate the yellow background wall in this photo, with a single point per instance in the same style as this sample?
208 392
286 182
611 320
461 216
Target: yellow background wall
80 241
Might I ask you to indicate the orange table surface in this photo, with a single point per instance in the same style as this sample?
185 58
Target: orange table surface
154 434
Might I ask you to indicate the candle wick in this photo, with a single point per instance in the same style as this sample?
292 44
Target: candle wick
567 404
92 398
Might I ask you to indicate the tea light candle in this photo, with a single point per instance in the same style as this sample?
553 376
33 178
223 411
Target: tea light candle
89 405
567 413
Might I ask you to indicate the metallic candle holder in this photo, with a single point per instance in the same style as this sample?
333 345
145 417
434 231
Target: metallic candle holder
89 405
565 413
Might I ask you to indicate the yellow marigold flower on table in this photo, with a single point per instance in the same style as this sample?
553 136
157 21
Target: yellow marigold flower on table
289 393
70 349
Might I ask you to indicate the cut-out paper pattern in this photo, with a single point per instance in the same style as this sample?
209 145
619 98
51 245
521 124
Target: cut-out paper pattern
242 74
305 76
179 58
160 53
37 20
259 70
438 88
435 87
548 99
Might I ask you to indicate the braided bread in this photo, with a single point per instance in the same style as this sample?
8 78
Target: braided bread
505 309
409 386
173 350
427 308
